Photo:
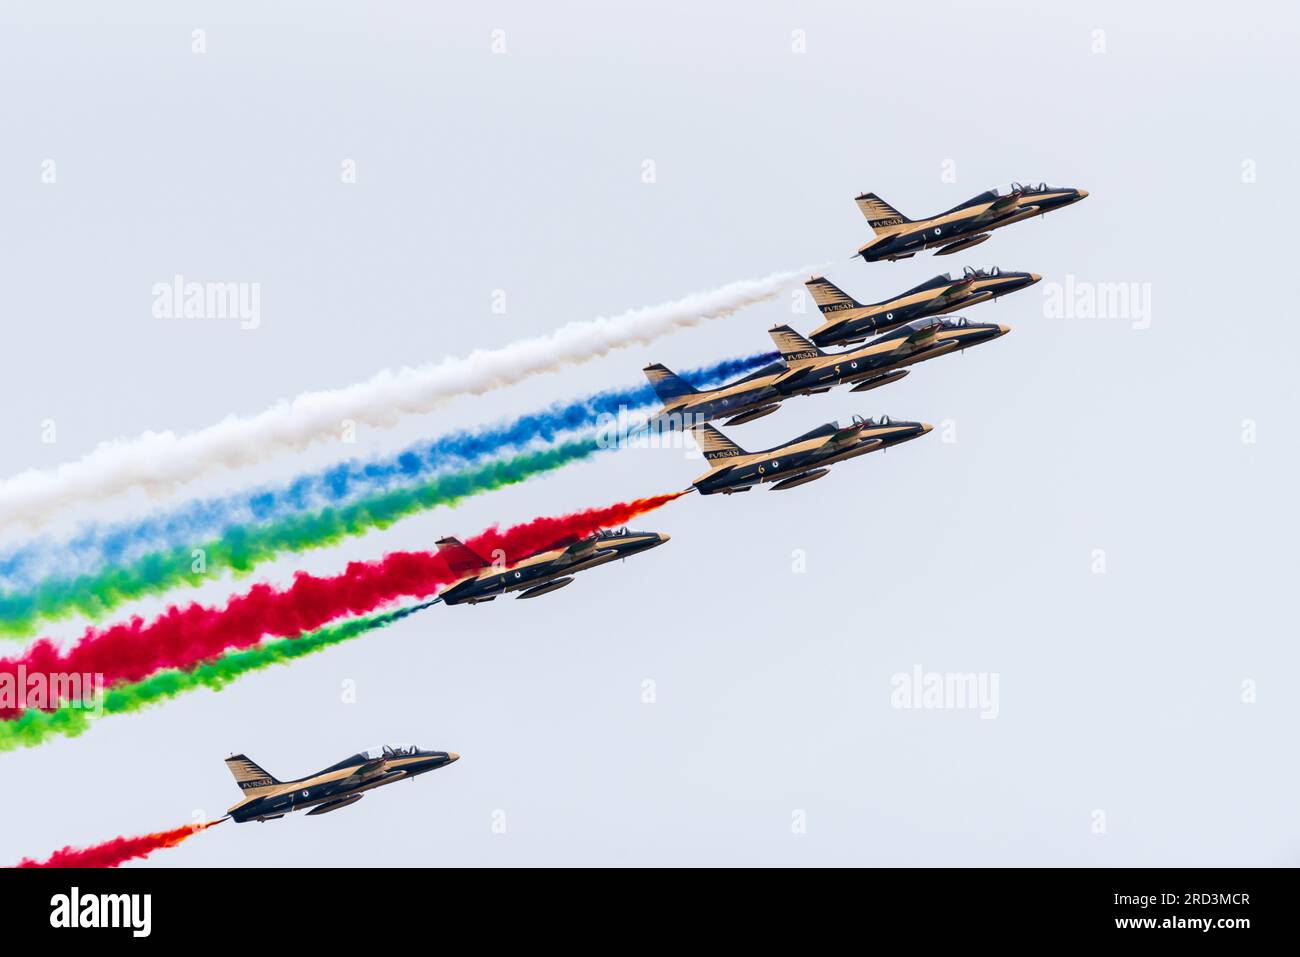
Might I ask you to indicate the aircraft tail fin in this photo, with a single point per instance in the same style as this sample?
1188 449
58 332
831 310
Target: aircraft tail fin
461 559
668 385
830 297
250 776
881 217
714 444
795 349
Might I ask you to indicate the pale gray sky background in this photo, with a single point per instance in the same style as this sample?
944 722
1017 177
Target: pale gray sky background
1120 692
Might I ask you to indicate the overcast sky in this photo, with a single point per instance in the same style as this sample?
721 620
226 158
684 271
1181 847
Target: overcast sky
1103 519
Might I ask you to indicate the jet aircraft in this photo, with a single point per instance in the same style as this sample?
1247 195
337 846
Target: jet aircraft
744 400
848 321
799 461
339 785
540 573
877 362
961 227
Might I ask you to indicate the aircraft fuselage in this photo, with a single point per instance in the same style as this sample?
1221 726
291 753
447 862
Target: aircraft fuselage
745 470
737 399
548 566
847 323
981 214
882 355
342 782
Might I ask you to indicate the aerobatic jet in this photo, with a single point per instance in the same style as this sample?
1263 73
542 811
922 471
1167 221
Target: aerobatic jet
877 362
537 574
799 461
744 400
267 798
847 321
961 227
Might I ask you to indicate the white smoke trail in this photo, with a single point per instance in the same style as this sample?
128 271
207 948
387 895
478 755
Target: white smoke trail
159 462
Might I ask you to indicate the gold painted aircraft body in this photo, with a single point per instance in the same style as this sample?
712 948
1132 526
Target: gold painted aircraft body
540 573
878 361
338 786
961 227
799 461
744 400
848 321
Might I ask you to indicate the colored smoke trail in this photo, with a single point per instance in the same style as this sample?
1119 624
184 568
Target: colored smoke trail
33 727
43 573
183 636
241 548
119 850
159 462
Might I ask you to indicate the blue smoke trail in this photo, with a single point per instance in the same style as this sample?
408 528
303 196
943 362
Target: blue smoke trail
96 545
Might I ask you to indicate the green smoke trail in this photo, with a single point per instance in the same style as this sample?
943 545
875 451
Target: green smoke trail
35 727
243 547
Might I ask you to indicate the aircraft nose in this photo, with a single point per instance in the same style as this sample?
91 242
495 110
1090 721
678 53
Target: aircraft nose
664 538
1081 193
926 427
452 756
1003 330
1034 277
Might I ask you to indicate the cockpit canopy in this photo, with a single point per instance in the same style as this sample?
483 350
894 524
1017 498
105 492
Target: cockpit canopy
389 751
868 421
920 325
1014 187
973 272
622 532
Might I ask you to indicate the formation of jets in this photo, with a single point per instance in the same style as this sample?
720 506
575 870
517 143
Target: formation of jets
880 341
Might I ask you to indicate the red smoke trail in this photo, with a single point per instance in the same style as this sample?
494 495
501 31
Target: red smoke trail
119 850
547 532
181 637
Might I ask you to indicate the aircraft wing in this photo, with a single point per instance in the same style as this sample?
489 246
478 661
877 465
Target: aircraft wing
843 438
1012 214
919 338
834 445
371 769
999 207
581 552
952 292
